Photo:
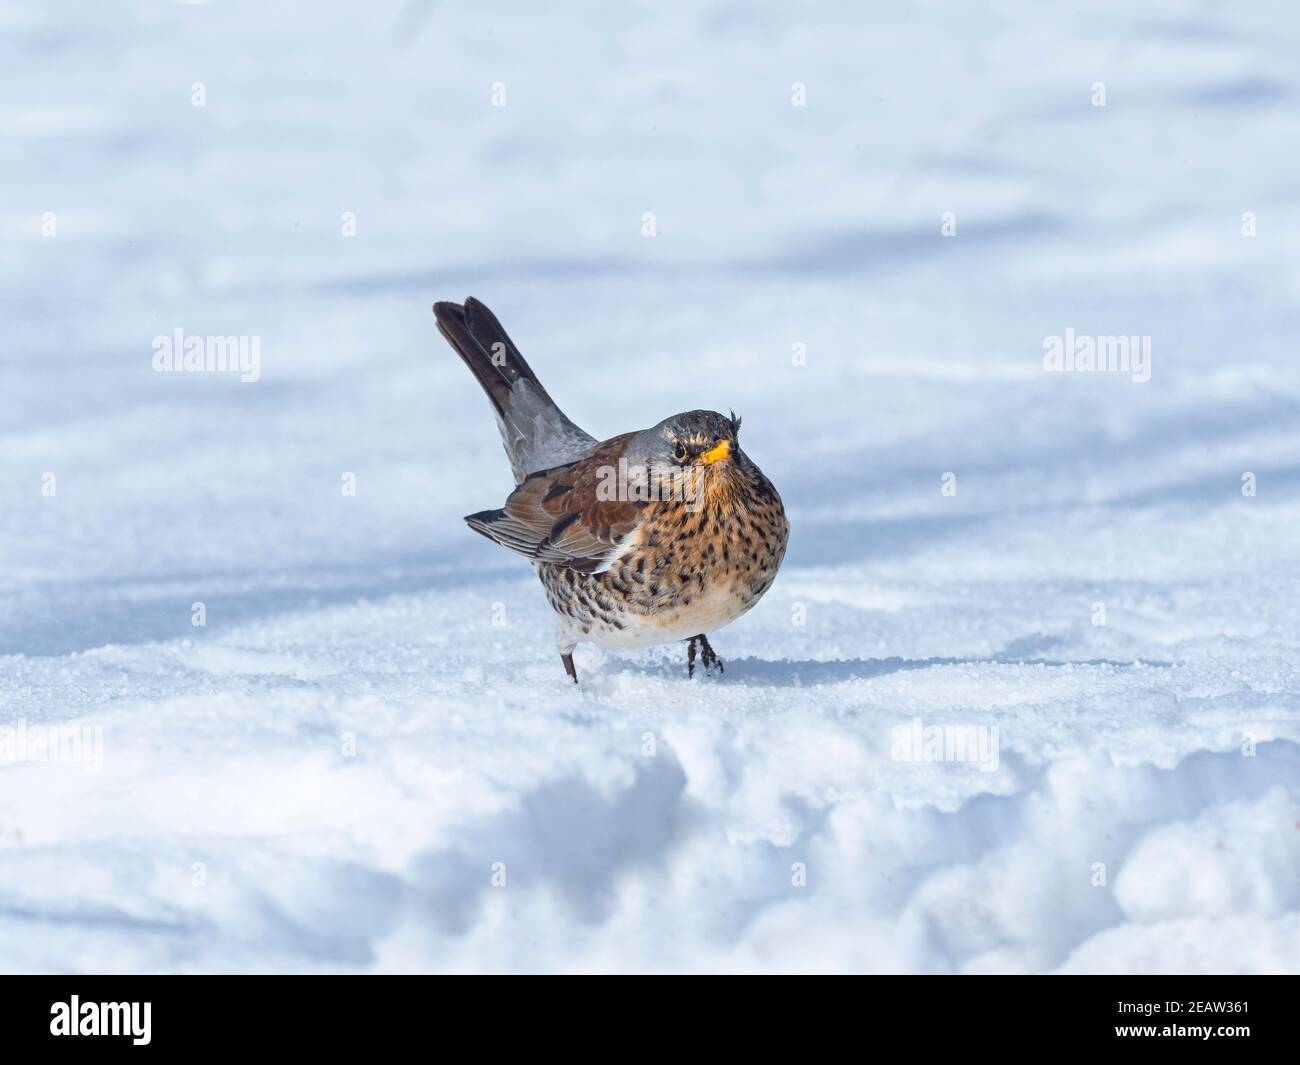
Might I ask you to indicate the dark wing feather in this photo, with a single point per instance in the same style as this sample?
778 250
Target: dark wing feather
563 515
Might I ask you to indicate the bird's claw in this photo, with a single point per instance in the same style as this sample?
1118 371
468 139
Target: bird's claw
707 655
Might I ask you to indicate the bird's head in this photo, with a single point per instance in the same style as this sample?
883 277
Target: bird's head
694 438
690 455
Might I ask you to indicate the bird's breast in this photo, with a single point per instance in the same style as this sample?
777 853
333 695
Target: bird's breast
690 570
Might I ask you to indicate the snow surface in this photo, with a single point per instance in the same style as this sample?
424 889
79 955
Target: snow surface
373 724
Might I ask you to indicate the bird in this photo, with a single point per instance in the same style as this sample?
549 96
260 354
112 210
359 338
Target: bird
648 537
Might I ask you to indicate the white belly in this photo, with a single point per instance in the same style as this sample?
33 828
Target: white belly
706 613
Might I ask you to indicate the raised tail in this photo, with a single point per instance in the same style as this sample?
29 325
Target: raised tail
536 433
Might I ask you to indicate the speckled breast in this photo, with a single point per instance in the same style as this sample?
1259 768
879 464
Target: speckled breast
684 571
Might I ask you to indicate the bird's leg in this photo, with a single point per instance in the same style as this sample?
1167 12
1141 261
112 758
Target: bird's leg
569 667
707 656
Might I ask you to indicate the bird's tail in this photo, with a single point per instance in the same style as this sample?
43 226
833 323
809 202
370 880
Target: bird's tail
487 350
536 433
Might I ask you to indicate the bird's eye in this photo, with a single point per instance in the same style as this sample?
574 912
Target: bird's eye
679 452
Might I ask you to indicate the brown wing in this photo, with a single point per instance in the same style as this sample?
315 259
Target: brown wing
569 515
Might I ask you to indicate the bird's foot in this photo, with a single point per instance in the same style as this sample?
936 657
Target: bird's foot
707 656
569 667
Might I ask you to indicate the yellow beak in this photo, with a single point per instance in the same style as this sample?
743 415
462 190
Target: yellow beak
719 451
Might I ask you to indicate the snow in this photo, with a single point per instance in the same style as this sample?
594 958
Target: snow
369 758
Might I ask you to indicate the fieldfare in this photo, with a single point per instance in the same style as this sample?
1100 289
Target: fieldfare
645 538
